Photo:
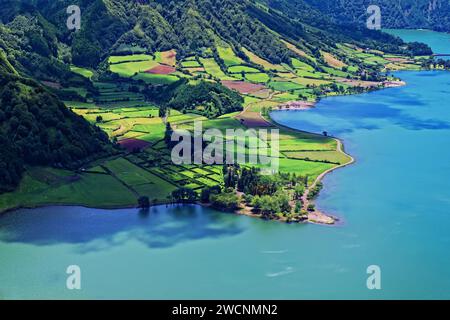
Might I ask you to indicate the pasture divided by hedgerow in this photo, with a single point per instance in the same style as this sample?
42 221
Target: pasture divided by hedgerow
45 186
146 67
146 168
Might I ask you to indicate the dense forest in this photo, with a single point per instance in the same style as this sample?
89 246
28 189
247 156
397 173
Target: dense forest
37 129
209 99
410 14
36 39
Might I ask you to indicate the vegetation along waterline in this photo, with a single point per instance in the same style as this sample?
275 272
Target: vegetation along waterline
127 92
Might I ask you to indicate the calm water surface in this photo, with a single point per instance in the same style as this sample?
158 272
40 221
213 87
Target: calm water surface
438 41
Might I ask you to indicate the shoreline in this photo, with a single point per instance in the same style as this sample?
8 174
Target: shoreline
315 217
318 216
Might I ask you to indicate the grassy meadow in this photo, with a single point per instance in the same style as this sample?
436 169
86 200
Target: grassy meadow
121 110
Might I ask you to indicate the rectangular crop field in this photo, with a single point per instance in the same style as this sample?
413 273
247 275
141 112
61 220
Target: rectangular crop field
228 56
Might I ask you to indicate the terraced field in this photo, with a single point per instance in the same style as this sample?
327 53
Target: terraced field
123 113
213 68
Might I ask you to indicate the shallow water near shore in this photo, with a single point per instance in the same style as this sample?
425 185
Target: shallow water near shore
394 203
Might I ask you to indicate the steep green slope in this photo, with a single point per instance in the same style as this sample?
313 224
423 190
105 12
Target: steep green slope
430 14
37 129
331 31
31 44
5 66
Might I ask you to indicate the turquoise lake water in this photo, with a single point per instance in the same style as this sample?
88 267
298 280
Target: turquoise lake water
438 41
394 203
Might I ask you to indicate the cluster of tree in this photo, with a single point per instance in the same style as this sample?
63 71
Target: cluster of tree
226 201
209 99
251 181
205 195
37 129
266 194
269 205
314 192
437 64
184 195
419 49
31 46
222 200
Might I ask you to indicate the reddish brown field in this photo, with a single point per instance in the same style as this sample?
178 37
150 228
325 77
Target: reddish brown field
133 144
253 120
242 87
161 70
169 57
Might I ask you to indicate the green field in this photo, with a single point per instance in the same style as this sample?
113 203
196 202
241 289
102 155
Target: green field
45 186
312 82
166 57
245 69
336 72
229 57
299 144
190 64
213 69
286 96
308 74
305 168
258 106
130 58
285 85
257 77
82 71
153 134
156 78
117 114
331 156
301 65
129 69
139 180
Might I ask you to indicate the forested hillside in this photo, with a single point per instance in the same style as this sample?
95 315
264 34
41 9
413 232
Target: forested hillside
414 14
37 129
36 38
